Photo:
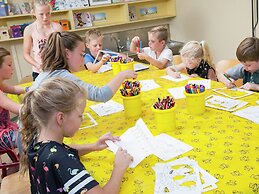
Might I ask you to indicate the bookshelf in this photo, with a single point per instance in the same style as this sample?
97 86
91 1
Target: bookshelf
116 14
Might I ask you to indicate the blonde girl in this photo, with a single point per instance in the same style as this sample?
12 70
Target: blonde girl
36 34
63 54
196 59
50 113
8 129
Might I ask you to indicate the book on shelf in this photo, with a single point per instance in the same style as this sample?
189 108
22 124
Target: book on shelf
82 20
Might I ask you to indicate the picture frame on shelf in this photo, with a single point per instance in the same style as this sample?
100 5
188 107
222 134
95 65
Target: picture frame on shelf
82 20
148 11
99 17
99 2
132 13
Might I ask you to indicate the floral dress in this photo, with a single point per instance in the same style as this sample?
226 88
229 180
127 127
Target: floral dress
8 131
202 70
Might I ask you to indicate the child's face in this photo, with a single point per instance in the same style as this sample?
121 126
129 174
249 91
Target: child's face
73 119
42 13
191 63
75 58
6 69
251 66
154 43
95 45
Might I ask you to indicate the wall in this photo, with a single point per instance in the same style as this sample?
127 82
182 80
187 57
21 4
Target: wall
223 24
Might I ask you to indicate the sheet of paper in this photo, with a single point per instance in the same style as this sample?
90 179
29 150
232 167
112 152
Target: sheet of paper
251 113
233 93
107 108
105 68
177 93
88 121
140 67
168 147
224 103
182 78
137 141
147 85
205 82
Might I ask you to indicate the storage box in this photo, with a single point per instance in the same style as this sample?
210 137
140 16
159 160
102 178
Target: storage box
64 24
4 35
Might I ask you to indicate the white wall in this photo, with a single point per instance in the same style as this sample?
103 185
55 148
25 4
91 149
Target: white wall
222 23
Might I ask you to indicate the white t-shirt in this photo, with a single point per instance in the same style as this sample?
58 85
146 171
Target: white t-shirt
165 54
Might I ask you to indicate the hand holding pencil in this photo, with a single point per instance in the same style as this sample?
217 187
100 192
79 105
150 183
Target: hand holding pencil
229 84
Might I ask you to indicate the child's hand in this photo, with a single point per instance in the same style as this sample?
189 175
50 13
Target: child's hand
105 58
194 75
100 144
171 72
230 85
142 56
135 40
122 159
248 86
129 74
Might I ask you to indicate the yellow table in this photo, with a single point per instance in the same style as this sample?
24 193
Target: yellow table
224 144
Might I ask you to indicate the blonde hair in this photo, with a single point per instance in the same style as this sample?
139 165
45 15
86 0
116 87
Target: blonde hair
161 32
39 105
3 53
195 49
40 3
54 52
92 34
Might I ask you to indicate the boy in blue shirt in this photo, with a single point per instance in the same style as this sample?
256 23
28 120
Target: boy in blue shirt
248 54
94 42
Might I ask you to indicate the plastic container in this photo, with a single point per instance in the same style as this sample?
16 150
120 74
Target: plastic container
132 106
116 68
164 119
195 103
125 66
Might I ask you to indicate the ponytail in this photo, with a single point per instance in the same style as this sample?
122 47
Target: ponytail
206 52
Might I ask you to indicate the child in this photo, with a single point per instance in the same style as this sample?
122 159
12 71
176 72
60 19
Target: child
94 42
51 112
8 129
248 54
157 54
36 34
63 54
197 61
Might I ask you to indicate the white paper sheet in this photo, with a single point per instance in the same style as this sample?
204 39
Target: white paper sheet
88 121
107 108
140 67
177 93
147 85
224 103
233 95
168 147
205 82
188 170
140 143
182 78
105 68
251 113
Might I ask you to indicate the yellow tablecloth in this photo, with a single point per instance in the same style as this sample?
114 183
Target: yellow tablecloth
225 145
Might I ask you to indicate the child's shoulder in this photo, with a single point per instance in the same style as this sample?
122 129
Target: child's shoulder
56 26
30 29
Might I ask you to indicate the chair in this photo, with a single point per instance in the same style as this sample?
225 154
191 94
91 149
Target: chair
4 166
223 65
177 59
16 183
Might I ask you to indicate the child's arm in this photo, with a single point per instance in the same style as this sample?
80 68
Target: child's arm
133 44
121 163
250 86
97 146
95 67
212 75
159 64
228 81
8 104
173 71
27 45
13 89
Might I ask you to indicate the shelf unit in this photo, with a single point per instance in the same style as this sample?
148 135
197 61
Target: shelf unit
116 14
